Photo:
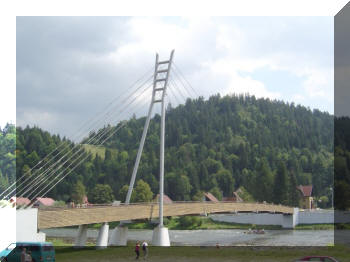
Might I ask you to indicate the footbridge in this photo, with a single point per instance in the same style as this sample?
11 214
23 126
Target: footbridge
63 217
65 158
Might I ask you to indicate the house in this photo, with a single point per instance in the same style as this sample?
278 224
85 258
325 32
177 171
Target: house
166 199
234 198
210 197
20 201
43 201
306 200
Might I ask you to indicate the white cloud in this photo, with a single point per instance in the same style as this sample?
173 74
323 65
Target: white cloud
216 55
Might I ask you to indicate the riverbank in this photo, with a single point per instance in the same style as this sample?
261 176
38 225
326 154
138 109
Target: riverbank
202 223
226 237
200 254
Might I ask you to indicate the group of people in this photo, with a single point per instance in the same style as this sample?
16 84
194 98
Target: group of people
144 249
255 231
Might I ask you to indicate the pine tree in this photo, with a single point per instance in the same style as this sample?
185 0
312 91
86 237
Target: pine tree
280 189
293 191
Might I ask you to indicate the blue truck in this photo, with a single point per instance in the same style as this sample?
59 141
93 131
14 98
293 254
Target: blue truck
39 251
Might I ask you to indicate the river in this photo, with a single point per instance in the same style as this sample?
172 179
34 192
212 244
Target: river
224 237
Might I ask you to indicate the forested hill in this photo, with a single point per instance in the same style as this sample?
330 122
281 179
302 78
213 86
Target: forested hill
342 163
7 156
218 145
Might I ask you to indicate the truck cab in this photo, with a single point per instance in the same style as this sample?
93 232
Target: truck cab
40 251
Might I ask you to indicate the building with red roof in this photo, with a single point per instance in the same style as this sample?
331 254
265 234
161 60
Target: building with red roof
234 198
20 201
210 197
166 199
44 201
306 200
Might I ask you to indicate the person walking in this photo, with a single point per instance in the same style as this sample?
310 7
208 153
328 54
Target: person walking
23 254
145 249
137 250
28 256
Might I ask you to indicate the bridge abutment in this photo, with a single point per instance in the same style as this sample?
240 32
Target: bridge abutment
81 237
119 236
102 239
160 236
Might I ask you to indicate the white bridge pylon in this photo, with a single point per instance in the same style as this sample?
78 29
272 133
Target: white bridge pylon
160 83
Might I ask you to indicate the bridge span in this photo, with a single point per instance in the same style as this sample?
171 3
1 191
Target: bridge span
63 217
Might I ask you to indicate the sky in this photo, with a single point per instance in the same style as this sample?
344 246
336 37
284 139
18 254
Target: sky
342 62
70 68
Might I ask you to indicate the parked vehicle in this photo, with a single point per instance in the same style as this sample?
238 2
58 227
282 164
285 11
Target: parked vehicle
6 251
318 258
40 251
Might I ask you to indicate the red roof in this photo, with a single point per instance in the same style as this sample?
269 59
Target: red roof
166 199
234 198
211 197
305 190
20 200
46 201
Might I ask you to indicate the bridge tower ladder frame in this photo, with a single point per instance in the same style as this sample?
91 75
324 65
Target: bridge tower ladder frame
160 233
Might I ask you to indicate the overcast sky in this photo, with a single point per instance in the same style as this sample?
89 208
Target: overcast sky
69 68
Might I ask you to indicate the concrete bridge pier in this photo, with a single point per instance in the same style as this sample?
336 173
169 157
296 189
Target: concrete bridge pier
102 239
290 220
80 240
119 236
160 236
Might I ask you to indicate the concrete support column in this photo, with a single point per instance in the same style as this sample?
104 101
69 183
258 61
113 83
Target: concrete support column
119 236
81 237
290 221
296 217
160 236
102 239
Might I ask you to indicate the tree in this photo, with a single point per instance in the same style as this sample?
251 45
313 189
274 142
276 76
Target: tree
78 193
123 192
225 181
216 192
280 188
101 194
293 191
323 202
198 196
143 192
263 182
178 187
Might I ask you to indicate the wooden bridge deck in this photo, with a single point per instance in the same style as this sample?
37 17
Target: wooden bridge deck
63 217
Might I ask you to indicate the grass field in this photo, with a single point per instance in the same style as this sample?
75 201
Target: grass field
200 254
95 150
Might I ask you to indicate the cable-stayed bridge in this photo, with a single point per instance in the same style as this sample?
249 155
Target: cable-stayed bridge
63 217
63 160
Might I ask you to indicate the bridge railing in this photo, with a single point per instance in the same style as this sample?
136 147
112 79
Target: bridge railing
84 206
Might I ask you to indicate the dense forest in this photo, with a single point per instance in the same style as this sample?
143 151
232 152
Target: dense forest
7 156
342 163
264 147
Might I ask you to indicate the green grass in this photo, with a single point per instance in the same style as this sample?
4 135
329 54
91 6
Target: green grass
207 223
315 227
95 150
342 226
174 224
281 254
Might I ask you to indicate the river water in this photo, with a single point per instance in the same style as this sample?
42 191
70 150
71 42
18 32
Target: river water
224 237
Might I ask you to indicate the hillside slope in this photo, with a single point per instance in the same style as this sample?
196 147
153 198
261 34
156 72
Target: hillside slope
216 145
